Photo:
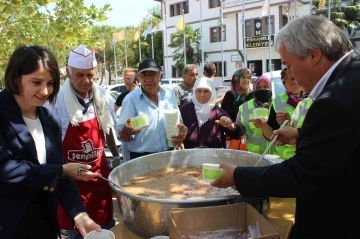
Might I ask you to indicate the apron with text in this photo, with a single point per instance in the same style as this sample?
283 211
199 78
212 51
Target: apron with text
85 144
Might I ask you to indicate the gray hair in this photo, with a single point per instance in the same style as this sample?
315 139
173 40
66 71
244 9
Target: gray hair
188 68
305 34
69 69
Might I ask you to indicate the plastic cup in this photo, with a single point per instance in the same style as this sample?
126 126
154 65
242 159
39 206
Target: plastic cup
210 171
140 121
104 234
274 157
261 113
171 117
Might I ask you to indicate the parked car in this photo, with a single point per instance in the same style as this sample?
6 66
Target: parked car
117 87
174 81
276 84
224 87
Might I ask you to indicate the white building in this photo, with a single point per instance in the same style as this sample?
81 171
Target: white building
256 52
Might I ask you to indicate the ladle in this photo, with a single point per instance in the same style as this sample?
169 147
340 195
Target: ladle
85 170
270 144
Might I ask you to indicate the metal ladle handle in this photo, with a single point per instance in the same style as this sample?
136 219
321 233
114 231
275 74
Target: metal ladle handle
85 170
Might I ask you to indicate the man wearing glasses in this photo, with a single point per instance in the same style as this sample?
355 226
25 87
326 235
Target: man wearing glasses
131 84
151 100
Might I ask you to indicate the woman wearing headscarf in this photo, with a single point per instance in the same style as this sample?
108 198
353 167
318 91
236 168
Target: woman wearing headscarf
240 92
282 108
206 122
255 141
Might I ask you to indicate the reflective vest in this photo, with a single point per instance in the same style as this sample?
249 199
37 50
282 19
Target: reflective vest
280 104
255 141
300 112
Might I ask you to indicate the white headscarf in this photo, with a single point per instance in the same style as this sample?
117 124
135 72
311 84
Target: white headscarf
203 110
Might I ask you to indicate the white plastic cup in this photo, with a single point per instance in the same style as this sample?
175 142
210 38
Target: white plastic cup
275 158
261 113
210 171
171 117
140 122
103 234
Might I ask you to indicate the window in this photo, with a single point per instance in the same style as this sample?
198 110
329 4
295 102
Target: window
248 28
265 29
218 66
214 3
285 20
215 34
172 10
177 8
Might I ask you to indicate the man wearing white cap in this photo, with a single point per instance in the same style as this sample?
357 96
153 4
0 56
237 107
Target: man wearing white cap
87 122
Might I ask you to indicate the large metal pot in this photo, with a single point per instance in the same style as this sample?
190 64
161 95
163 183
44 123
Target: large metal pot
148 217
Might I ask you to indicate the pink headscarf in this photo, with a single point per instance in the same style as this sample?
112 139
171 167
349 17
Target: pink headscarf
262 79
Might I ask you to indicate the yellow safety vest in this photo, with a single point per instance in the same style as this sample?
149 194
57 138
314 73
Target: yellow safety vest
300 112
280 104
255 141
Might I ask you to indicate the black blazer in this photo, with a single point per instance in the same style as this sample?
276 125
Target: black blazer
21 175
324 174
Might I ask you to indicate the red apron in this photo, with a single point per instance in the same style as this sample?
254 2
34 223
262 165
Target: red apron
85 144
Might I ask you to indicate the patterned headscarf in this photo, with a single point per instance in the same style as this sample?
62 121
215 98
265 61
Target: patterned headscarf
236 77
262 79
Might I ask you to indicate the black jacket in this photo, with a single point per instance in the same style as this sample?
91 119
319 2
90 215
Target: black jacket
22 179
324 174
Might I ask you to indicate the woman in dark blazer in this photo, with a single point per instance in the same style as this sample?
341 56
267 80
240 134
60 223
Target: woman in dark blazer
33 176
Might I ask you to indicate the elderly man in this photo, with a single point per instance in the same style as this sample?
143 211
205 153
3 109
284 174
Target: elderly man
183 91
87 122
150 100
322 173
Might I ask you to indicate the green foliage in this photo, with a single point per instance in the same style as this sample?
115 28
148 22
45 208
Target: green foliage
105 32
345 14
60 25
192 44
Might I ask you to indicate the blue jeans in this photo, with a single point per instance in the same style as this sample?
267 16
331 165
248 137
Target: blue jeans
77 235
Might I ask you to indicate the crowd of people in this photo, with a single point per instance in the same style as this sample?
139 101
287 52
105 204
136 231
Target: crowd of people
52 138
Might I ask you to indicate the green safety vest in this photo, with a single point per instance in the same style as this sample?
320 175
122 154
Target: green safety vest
300 112
280 104
255 141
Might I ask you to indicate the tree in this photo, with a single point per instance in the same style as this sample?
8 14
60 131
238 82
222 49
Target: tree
60 25
105 33
345 14
192 45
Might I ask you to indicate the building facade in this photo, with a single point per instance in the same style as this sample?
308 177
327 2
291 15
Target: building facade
253 30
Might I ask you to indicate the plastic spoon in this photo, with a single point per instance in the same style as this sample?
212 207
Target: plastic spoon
270 144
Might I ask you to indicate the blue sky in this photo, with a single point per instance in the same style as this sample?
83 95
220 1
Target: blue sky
125 12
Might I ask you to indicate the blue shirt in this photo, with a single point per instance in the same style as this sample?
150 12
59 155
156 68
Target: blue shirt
151 139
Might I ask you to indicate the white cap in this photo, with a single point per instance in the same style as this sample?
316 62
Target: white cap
82 58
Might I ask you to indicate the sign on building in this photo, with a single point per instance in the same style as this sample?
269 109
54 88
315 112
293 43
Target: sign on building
257 23
259 41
